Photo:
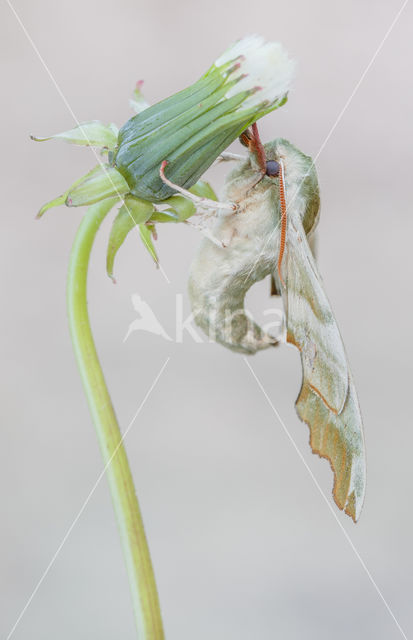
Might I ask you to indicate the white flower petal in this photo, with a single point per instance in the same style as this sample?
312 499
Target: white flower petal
264 64
241 47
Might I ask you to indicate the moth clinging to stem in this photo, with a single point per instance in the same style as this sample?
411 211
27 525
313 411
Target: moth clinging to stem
270 208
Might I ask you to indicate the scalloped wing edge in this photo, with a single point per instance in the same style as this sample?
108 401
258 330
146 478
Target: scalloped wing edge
333 437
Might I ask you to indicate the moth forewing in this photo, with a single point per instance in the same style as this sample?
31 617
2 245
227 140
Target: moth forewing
327 401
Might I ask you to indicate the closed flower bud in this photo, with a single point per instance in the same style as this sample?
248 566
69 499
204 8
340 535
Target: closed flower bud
191 128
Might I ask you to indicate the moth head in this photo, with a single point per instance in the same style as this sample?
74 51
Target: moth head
263 158
272 168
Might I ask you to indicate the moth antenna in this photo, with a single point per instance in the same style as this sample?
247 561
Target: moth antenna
283 221
258 147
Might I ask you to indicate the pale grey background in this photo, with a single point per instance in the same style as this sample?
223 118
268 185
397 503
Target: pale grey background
244 546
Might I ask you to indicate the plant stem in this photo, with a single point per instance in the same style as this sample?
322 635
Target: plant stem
135 547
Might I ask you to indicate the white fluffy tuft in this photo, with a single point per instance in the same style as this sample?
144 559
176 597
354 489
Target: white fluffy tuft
265 64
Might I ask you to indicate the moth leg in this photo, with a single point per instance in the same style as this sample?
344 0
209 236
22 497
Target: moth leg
201 222
226 156
202 226
203 203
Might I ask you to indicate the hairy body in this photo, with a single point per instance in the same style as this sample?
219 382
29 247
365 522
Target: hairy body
246 245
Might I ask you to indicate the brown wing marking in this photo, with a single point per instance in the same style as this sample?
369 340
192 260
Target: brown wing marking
327 402
327 439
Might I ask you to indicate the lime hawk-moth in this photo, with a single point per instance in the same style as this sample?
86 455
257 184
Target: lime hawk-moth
264 226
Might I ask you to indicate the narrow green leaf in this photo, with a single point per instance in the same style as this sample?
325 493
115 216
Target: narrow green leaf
146 232
164 216
53 203
93 133
203 190
133 212
59 200
102 182
138 102
181 207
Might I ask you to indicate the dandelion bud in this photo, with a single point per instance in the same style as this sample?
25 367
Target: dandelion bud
191 128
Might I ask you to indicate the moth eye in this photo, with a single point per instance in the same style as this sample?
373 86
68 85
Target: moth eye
272 168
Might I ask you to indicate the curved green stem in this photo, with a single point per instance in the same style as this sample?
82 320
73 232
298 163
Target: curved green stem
135 547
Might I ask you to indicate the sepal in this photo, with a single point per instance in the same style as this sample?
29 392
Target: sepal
100 183
147 231
93 133
133 212
138 102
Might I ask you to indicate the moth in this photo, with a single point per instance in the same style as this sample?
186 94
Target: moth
264 225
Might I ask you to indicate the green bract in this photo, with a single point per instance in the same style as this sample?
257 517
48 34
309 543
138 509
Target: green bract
144 214
93 134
